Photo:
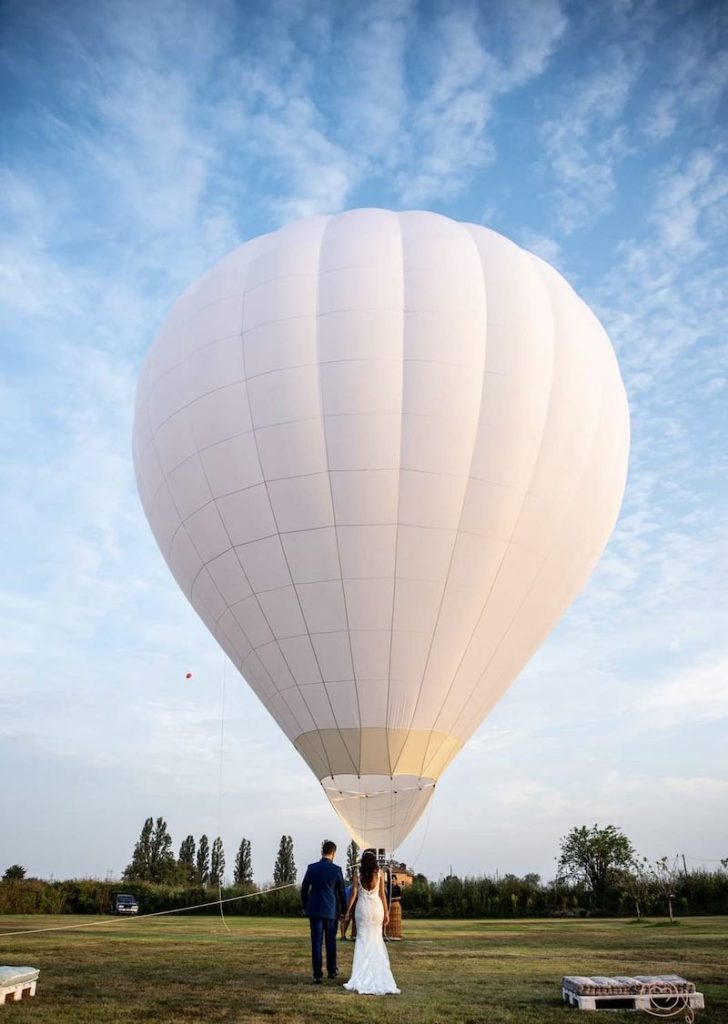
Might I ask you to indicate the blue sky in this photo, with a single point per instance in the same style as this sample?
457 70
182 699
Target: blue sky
141 142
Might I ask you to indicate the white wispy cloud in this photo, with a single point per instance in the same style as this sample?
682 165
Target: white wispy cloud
449 124
698 788
31 280
371 96
699 693
689 209
695 78
527 794
586 142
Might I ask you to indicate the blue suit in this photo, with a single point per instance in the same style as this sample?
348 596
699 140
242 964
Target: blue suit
322 894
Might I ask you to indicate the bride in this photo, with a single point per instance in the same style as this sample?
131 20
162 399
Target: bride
370 972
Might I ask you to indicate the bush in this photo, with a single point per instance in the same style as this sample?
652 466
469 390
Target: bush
701 892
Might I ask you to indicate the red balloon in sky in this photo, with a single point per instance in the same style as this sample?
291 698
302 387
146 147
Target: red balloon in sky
188 676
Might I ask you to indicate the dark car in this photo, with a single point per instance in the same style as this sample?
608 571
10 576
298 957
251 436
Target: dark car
124 903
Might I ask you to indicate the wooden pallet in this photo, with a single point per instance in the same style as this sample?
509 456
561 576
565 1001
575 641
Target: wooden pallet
14 993
649 1001
662 995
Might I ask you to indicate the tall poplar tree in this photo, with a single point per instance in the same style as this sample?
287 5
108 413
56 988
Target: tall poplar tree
202 862
352 860
284 871
244 864
217 862
186 859
141 857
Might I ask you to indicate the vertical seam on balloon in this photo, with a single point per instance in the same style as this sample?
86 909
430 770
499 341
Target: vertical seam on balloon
496 575
357 766
204 563
153 445
253 649
412 812
204 566
228 608
585 470
391 763
433 634
285 557
237 555
577 491
392 801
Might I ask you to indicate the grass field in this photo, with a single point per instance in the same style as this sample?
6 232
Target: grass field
175 969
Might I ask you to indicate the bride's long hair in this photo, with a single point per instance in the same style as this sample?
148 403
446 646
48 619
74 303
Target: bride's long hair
369 868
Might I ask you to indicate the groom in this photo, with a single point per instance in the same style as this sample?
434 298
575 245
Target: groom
324 900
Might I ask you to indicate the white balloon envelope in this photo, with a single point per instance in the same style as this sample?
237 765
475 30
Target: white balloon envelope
380 452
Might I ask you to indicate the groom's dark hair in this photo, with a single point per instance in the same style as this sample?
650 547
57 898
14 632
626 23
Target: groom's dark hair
327 847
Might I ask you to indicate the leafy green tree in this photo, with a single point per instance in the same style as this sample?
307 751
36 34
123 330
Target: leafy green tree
15 873
217 862
666 877
186 859
244 864
152 860
284 871
352 860
202 863
593 857
637 883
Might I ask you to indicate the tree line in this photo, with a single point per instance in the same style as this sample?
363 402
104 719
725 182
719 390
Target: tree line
200 864
609 874
598 873
601 863
484 896
153 860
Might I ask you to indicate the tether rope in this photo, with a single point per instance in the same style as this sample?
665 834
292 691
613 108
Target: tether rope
425 831
144 917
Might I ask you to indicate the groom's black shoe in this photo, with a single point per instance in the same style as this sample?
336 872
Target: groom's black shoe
317 981
333 974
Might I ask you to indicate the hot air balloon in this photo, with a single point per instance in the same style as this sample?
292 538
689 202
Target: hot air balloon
381 453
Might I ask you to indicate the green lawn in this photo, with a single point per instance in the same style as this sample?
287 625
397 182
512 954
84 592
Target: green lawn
190 969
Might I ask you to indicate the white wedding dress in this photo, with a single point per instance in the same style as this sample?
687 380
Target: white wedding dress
370 971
